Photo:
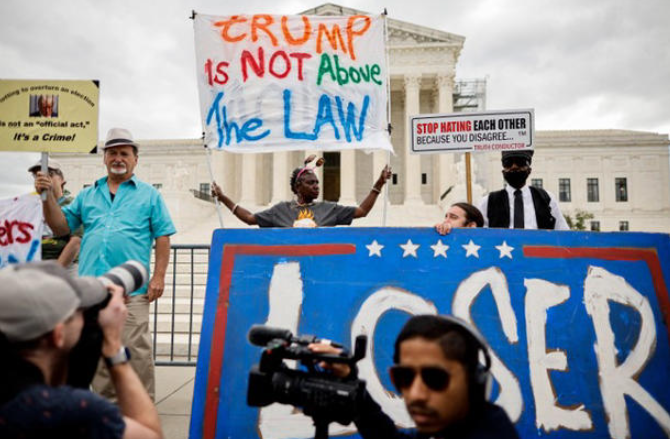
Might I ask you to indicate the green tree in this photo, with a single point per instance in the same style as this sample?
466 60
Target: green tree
579 223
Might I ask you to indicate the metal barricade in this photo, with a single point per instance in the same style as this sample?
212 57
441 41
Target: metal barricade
177 315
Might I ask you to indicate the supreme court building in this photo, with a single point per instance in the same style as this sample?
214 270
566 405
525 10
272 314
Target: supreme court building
621 177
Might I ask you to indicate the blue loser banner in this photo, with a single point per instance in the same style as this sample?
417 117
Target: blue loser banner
577 322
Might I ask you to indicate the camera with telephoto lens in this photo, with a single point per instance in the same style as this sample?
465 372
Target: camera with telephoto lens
84 357
319 393
131 276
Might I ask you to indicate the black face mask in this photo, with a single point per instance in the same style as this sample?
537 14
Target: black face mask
516 179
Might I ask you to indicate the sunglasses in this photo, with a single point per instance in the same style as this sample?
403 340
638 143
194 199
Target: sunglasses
435 378
509 161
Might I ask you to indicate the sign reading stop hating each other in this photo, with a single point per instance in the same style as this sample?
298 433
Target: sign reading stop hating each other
466 132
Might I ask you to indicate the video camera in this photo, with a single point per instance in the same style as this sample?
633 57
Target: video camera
321 395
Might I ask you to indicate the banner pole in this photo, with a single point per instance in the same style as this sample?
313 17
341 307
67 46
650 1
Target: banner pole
388 115
207 154
211 177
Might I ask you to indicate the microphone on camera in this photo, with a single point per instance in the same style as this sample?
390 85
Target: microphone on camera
261 335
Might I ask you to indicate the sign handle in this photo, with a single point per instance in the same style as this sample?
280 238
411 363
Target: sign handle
44 167
468 177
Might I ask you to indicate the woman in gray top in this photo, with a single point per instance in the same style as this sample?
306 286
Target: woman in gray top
304 211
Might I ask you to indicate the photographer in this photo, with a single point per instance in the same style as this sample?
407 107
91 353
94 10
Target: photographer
40 322
438 373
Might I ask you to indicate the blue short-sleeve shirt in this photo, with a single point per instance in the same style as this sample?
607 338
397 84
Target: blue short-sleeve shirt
120 230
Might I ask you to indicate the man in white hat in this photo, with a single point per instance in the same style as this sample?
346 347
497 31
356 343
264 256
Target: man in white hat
64 249
40 322
122 218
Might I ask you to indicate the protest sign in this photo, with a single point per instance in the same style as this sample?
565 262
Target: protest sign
48 116
465 132
577 322
281 83
20 229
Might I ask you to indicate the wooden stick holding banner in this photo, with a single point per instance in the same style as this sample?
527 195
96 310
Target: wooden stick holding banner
468 176
388 115
208 157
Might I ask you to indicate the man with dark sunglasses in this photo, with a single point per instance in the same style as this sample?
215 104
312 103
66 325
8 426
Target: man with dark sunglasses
518 205
439 375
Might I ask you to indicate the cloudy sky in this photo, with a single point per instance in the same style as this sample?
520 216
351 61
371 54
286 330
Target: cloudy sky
580 65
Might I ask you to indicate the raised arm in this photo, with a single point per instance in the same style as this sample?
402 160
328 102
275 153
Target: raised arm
364 208
139 413
53 215
371 421
240 212
70 251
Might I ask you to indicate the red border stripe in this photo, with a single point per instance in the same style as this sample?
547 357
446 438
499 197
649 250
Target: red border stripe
230 252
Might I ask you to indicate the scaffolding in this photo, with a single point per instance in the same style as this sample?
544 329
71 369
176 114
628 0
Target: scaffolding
470 95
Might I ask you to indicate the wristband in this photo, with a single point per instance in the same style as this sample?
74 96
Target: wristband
374 189
121 357
234 207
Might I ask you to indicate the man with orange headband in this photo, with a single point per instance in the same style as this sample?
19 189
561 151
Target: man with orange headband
304 211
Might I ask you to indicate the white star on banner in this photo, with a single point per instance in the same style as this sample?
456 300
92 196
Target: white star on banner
409 248
472 249
505 250
439 249
375 249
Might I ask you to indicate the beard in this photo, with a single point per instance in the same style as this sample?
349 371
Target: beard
118 170
516 179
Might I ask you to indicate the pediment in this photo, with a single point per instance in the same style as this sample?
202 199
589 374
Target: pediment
400 32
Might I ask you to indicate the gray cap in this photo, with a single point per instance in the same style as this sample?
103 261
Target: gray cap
35 297
51 164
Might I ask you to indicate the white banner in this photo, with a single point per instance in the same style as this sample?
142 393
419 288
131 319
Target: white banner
282 83
20 229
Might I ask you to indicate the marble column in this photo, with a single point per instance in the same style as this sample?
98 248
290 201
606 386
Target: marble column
281 174
444 174
348 177
412 168
248 181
